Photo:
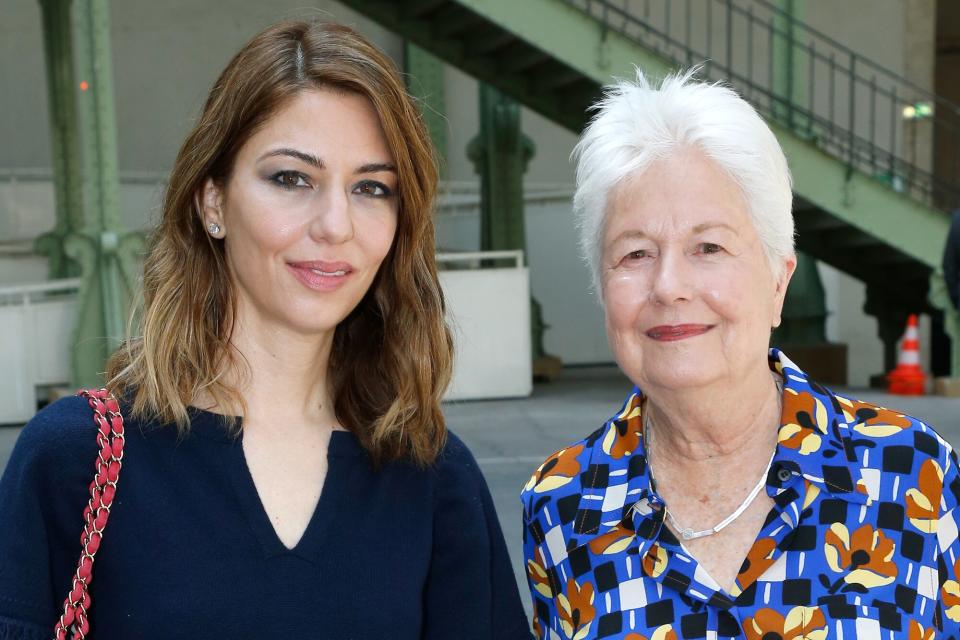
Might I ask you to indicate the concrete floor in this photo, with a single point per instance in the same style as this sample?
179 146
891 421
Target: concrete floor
511 437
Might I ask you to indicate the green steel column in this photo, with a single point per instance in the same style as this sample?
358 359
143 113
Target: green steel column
788 81
891 322
65 151
105 254
500 153
804 310
940 298
425 82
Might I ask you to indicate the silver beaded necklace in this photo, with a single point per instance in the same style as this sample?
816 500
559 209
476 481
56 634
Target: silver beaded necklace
688 533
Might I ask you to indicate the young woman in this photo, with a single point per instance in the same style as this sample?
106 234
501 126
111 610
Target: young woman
286 469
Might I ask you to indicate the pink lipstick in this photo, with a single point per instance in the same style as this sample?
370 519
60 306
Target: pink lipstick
673 332
320 275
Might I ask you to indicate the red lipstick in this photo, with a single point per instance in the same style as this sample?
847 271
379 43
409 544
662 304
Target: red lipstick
674 332
320 275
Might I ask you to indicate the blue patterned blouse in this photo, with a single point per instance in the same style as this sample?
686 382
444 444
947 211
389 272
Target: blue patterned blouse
862 541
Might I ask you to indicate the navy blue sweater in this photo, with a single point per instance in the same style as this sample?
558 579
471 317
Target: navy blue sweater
189 551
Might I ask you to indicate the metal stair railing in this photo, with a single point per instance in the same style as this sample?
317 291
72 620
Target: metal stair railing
865 115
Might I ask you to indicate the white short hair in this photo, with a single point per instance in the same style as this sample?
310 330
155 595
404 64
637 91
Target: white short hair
636 124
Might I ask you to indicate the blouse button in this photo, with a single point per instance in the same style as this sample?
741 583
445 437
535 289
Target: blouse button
784 474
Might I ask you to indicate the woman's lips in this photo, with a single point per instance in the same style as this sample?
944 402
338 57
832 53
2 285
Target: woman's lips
673 332
321 276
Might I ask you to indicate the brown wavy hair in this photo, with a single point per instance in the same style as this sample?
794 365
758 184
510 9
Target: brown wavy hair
391 358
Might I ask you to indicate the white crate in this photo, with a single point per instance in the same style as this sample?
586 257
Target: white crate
36 329
488 310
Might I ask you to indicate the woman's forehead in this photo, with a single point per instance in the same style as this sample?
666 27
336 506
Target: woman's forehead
325 122
657 219
684 191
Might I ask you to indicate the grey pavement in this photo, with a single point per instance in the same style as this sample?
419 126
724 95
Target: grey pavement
511 437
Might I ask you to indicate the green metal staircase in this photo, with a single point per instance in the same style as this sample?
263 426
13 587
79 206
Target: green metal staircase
868 199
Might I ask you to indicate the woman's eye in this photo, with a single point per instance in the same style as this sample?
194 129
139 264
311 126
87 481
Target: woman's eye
290 179
636 255
709 247
372 189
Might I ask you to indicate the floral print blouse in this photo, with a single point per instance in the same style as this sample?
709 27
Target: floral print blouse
862 541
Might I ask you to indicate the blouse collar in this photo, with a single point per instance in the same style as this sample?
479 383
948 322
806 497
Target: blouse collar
815 441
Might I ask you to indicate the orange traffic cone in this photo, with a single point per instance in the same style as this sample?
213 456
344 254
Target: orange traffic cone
908 378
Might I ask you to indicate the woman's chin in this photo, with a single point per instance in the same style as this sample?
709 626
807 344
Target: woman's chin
668 378
309 317
309 325
684 380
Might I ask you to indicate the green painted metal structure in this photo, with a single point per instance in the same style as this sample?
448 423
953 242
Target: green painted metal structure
425 81
863 203
88 239
61 89
804 316
500 153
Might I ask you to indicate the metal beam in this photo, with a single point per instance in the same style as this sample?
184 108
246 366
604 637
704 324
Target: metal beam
65 151
418 8
85 161
520 57
500 153
581 42
456 23
484 43
425 80
863 202
568 35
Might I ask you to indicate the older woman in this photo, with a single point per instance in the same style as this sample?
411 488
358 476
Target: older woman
730 496
286 471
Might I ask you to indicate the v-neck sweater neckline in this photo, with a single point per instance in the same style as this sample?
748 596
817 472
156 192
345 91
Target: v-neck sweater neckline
343 450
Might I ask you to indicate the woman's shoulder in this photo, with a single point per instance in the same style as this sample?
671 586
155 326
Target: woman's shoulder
453 471
456 464
878 427
69 417
902 446
603 464
558 479
455 453
56 433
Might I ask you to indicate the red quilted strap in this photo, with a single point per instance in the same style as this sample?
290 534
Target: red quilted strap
73 621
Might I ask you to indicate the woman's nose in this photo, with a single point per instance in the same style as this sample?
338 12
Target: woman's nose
332 220
672 280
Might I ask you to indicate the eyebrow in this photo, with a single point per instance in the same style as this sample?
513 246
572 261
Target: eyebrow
315 161
700 228
376 167
710 225
312 160
627 235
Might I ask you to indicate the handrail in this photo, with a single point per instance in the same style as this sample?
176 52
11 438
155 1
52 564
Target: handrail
45 174
789 17
515 255
21 293
41 287
867 116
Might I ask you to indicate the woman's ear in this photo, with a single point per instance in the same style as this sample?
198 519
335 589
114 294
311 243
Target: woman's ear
212 208
788 266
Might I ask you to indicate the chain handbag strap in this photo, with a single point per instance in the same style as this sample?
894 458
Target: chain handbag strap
73 622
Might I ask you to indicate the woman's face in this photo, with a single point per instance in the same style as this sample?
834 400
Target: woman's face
689 294
308 213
